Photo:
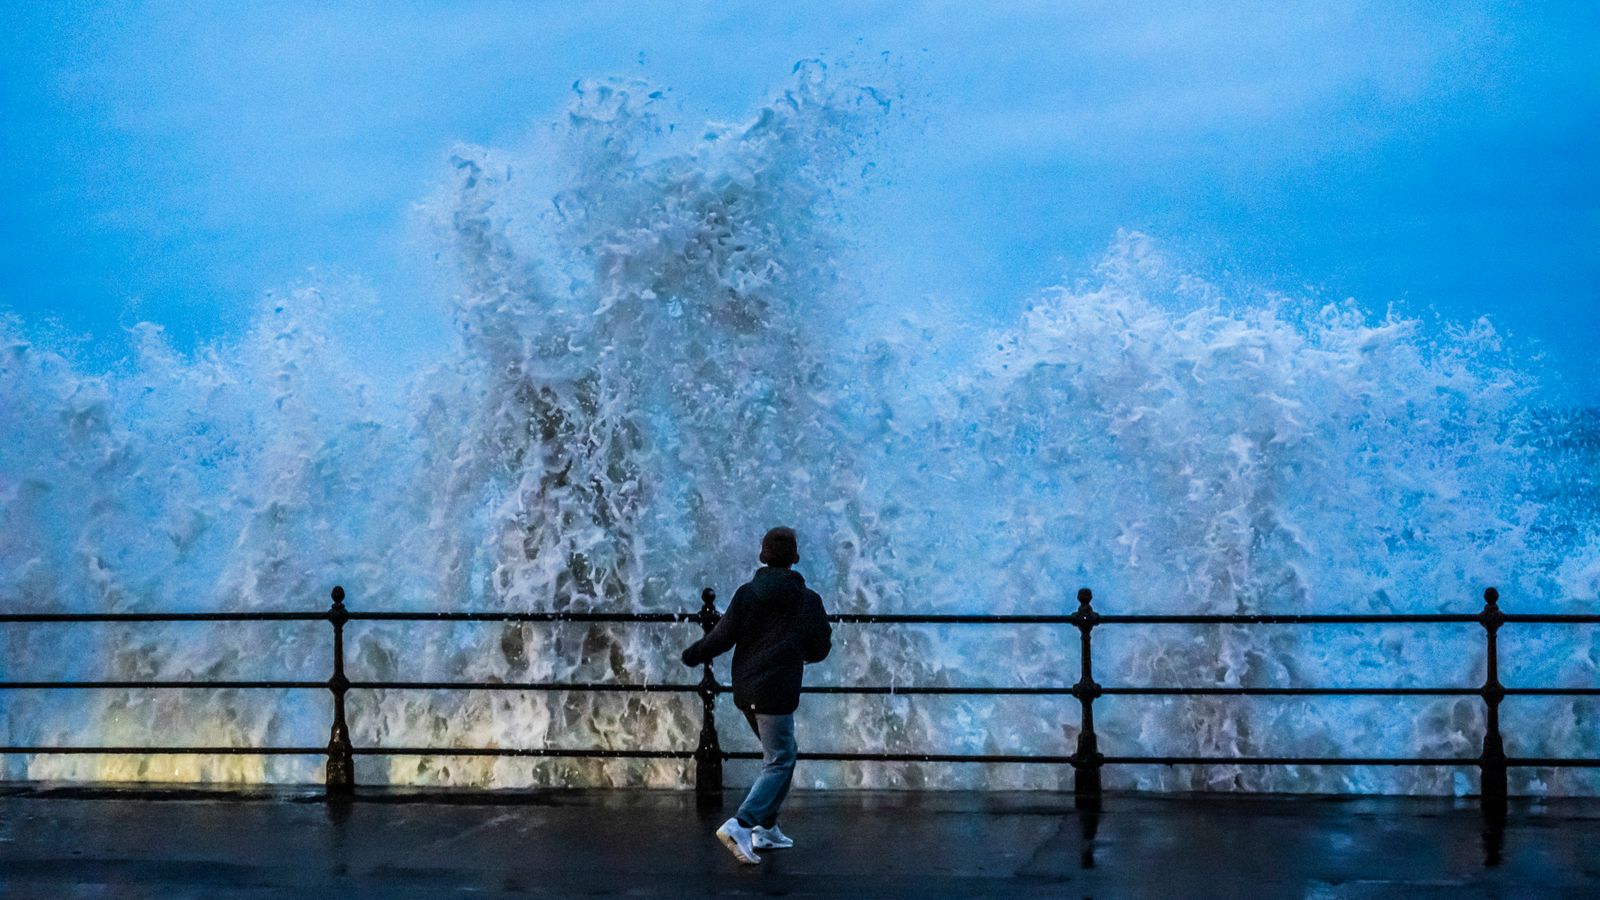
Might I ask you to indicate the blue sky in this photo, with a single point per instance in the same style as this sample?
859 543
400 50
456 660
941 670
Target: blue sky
170 161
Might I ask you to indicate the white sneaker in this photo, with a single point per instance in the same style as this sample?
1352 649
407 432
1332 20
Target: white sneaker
770 838
736 838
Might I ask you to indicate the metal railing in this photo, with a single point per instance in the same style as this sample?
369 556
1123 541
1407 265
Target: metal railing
1086 759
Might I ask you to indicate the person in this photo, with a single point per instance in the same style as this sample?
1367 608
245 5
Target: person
775 626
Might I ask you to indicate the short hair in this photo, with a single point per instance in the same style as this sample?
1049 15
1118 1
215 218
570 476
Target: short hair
780 547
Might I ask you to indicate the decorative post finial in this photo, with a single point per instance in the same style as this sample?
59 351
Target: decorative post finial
1087 758
341 771
1492 761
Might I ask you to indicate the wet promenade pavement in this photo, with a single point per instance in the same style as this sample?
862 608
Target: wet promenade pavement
109 843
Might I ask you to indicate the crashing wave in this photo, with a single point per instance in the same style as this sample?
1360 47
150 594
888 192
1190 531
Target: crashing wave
659 358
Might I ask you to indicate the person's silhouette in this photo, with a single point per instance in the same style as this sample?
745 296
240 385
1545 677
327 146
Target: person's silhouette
775 626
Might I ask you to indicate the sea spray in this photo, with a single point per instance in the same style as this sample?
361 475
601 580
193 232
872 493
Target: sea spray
654 360
1188 453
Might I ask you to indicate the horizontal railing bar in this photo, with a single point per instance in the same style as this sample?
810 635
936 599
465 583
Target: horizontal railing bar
846 618
168 751
693 688
1292 760
689 754
1199 691
930 757
1342 619
921 757
1474 762
510 616
167 617
1001 619
1291 619
523 751
1211 619
842 618
948 619
596 686
898 690
936 690
110 685
1291 692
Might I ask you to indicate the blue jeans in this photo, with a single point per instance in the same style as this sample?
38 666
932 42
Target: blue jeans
761 805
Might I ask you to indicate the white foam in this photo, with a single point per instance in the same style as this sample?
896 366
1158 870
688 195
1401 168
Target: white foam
657 360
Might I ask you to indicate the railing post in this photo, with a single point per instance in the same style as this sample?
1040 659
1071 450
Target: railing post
1492 763
708 754
1087 759
341 775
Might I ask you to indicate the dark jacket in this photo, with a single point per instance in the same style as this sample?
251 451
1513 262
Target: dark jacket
777 625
